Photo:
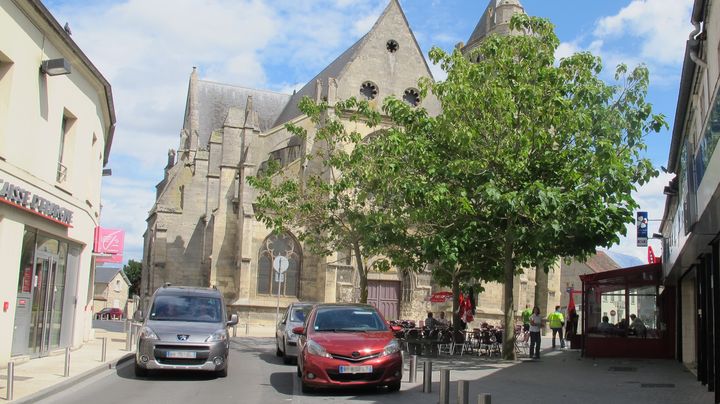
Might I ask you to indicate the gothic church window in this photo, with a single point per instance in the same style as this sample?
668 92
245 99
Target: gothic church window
369 90
276 245
392 46
412 97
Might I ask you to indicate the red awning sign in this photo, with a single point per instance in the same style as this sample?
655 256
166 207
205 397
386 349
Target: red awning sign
441 297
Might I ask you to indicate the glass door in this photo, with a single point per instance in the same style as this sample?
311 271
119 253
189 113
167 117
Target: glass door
43 301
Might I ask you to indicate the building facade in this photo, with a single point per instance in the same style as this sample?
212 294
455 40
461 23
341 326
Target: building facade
202 229
56 126
691 222
111 289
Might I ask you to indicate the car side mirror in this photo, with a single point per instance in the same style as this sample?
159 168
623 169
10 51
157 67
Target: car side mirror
138 316
299 330
233 320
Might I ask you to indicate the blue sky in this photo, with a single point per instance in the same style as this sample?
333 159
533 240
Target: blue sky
147 49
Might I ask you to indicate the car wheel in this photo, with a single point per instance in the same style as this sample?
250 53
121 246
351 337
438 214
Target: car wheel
140 371
278 352
286 359
394 386
223 373
306 388
299 371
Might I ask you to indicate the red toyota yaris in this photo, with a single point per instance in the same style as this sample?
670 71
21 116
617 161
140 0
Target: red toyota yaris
347 345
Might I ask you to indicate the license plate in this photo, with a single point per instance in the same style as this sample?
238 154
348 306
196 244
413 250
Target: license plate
356 369
182 354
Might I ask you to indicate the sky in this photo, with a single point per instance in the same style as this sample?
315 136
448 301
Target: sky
147 49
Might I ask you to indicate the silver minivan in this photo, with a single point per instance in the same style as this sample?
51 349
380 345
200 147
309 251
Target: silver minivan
285 340
185 328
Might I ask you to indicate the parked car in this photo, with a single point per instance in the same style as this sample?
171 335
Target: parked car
285 339
185 328
109 313
347 345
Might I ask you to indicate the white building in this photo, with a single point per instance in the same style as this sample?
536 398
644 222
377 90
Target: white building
691 221
56 127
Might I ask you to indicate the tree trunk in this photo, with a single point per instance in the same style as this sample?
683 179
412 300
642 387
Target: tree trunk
362 273
541 292
456 299
508 349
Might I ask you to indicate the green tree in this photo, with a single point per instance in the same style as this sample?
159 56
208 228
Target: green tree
133 270
528 161
323 203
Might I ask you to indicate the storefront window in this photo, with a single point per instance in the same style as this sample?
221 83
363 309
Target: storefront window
26 261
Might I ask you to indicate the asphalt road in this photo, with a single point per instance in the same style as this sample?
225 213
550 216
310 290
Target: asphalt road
256 375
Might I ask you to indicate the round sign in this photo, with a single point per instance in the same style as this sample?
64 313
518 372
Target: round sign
281 264
612 312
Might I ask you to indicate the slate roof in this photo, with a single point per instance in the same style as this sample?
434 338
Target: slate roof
215 99
106 274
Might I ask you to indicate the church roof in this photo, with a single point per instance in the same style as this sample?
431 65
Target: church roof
333 70
487 21
215 99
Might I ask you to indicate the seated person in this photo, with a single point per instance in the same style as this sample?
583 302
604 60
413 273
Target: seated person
430 321
442 321
637 326
605 327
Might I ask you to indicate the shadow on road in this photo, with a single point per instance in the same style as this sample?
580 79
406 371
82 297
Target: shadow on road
128 372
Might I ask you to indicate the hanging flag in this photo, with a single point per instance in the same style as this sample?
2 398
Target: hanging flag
571 303
642 229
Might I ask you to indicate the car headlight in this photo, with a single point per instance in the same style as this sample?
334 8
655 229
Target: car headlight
219 335
147 333
391 348
316 349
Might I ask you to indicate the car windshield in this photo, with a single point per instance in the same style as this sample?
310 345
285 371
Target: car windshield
299 313
186 308
337 319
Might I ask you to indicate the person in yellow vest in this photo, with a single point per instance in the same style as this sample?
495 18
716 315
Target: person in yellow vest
557 321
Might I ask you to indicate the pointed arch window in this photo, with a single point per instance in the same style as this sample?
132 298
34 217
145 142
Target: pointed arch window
276 245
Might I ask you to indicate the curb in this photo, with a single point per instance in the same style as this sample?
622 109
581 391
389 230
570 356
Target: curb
58 387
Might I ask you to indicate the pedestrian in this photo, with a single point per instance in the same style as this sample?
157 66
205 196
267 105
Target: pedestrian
535 322
526 317
557 321
430 321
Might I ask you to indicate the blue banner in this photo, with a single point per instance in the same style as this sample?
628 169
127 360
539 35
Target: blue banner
642 229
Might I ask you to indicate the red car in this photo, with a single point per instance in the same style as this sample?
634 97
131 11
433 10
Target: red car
347 345
109 313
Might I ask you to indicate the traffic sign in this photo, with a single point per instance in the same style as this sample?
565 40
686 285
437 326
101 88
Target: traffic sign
281 264
279 278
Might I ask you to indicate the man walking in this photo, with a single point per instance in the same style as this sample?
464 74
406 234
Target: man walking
557 320
526 318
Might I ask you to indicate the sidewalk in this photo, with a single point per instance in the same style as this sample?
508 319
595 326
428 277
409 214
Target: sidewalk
42 377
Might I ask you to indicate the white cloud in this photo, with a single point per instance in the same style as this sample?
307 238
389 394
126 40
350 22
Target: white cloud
566 49
661 26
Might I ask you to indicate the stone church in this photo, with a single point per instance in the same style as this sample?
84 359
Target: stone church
202 230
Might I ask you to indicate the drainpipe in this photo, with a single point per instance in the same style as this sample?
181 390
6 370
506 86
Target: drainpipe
697 31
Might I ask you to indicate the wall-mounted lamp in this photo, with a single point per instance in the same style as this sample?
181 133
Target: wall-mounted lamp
657 236
55 67
669 191
107 172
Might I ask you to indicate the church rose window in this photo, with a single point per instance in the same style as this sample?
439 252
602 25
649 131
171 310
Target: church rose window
392 46
276 245
412 97
369 90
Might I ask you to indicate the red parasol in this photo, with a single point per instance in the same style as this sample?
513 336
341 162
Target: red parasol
440 297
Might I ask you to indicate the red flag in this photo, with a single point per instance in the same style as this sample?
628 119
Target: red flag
571 302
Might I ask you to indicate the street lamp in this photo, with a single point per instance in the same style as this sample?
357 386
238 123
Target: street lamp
55 67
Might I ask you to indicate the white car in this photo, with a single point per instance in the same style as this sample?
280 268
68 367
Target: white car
285 340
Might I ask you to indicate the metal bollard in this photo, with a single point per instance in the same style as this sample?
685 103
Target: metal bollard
427 377
463 392
413 368
483 398
247 328
10 381
234 331
67 362
128 337
444 386
103 355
